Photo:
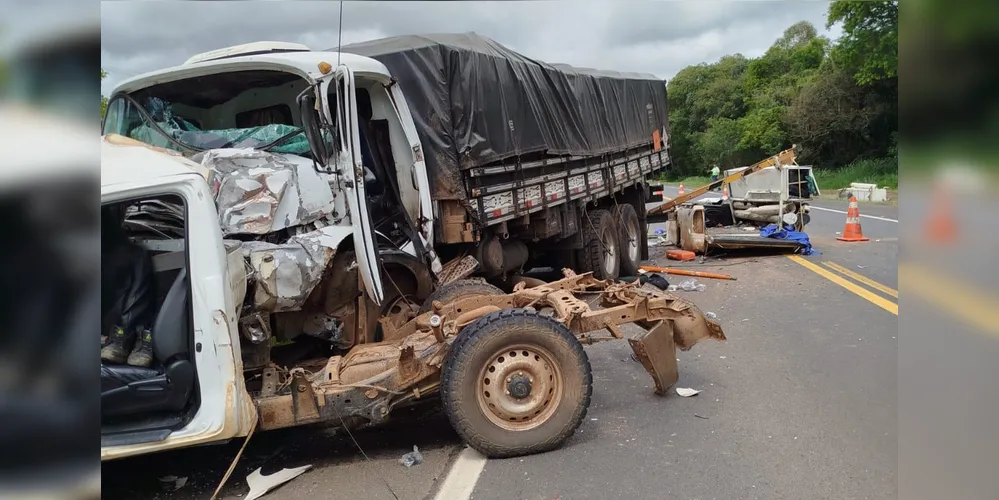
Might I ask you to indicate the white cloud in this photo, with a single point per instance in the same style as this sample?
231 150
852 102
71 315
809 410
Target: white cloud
650 37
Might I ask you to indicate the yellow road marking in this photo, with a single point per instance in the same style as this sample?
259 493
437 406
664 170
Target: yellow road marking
974 306
871 297
861 278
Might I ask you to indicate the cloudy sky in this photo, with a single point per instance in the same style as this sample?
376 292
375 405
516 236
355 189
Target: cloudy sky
658 37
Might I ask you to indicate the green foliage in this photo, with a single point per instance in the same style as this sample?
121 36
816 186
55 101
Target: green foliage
869 45
738 111
880 171
719 143
104 100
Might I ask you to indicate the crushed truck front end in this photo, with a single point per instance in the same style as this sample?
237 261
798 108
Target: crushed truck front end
509 368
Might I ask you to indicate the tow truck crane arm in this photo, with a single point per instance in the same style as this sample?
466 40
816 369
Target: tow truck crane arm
785 157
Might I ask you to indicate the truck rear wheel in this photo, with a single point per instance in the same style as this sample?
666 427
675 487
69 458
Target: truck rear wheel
515 383
600 253
629 239
460 289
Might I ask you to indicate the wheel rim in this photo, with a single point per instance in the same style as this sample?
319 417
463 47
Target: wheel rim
631 230
520 387
610 252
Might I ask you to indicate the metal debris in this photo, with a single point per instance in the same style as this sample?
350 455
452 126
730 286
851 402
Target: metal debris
259 192
284 275
261 484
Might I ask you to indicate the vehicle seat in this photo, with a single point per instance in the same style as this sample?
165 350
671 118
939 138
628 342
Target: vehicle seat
129 390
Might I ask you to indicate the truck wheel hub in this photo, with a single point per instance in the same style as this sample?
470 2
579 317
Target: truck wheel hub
520 387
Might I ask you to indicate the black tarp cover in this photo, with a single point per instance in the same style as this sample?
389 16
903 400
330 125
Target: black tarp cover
476 102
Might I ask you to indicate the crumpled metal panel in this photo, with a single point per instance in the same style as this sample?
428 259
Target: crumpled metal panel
259 192
284 275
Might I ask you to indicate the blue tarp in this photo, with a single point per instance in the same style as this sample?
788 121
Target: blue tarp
772 231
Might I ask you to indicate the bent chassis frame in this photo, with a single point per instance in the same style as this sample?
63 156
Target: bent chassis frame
367 383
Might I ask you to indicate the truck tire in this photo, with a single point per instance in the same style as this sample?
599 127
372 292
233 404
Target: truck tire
515 383
600 253
629 239
460 289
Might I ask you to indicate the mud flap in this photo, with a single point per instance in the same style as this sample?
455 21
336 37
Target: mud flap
656 350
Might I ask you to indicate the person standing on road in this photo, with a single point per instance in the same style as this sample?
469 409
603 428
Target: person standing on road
715 172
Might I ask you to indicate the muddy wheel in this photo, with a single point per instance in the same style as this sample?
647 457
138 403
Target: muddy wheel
460 289
600 253
629 238
515 383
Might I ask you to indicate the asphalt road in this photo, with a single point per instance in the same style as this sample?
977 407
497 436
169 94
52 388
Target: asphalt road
800 402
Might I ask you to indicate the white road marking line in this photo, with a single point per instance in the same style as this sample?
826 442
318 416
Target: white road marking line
460 482
813 207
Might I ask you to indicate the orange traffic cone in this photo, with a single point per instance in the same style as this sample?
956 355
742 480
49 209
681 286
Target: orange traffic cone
940 224
851 231
679 192
724 192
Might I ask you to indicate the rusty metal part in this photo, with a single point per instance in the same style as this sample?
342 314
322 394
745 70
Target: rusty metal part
520 388
303 397
526 282
656 351
684 272
398 312
372 379
498 255
458 268
270 382
690 221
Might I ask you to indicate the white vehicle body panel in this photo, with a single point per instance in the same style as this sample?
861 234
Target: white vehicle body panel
226 409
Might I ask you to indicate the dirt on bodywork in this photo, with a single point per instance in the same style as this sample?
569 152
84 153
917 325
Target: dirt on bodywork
366 384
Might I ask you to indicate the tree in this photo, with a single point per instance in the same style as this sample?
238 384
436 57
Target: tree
719 144
869 45
104 100
836 120
803 90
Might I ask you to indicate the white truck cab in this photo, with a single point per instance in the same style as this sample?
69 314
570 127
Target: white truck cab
270 96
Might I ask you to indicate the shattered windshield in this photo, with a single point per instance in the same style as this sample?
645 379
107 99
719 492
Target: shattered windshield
154 121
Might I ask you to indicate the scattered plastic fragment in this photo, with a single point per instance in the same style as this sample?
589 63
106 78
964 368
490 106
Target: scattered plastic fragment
687 392
178 482
692 286
412 458
710 315
261 484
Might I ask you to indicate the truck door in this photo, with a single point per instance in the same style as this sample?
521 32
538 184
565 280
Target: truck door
352 168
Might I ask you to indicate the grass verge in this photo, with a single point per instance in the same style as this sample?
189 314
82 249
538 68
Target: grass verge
688 182
880 171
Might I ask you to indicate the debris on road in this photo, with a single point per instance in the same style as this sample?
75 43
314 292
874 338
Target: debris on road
681 255
657 280
692 286
687 392
412 458
700 416
684 272
710 315
261 484
178 482
772 231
